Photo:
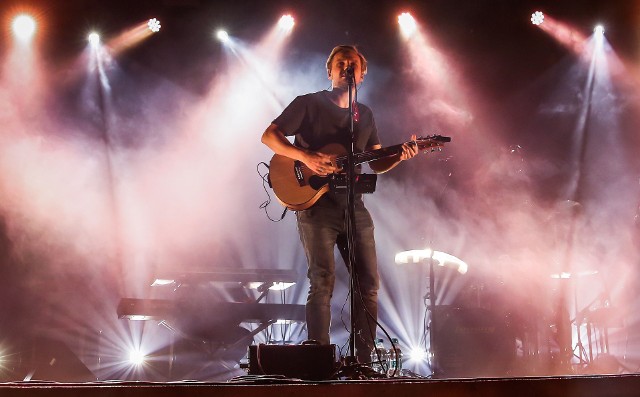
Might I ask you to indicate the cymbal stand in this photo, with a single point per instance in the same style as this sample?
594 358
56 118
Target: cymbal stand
581 354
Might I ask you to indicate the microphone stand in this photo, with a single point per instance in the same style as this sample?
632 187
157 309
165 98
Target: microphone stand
352 368
351 224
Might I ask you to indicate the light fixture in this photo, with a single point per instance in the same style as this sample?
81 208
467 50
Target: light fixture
94 39
161 281
442 259
286 23
413 256
136 357
599 30
407 23
417 354
154 25
223 36
275 286
537 18
24 26
139 317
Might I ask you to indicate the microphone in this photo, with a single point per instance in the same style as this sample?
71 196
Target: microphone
350 70
350 74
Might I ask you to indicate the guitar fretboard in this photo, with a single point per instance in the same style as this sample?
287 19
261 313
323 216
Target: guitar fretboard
371 155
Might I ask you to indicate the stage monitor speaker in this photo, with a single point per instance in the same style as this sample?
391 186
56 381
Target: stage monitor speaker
308 362
471 342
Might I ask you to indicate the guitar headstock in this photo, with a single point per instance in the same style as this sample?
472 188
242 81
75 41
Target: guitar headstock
431 141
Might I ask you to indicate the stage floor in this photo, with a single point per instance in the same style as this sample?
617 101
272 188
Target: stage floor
567 386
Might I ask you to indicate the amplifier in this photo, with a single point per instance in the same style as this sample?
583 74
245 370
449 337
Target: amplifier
308 362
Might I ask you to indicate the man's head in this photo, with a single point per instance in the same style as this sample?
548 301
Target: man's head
343 56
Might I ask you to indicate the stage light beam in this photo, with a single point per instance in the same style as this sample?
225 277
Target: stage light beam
537 18
567 35
24 27
408 25
154 25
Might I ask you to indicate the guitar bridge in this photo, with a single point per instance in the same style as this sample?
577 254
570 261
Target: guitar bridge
297 170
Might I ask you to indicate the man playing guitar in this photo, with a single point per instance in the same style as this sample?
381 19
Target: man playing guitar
317 120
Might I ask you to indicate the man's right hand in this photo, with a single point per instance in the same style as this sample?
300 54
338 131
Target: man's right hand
320 163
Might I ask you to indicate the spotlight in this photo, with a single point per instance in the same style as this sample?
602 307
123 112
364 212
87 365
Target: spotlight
537 18
286 23
136 357
408 25
223 36
94 39
417 354
599 30
24 26
154 25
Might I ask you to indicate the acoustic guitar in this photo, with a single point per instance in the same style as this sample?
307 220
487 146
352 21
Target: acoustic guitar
298 188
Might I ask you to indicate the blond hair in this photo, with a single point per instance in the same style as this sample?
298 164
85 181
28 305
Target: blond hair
347 48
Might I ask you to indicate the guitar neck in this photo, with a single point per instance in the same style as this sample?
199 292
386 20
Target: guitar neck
377 154
371 155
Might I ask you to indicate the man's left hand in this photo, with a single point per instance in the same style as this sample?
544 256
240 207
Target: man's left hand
409 149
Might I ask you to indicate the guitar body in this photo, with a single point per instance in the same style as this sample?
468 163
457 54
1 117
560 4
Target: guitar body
298 188
290 180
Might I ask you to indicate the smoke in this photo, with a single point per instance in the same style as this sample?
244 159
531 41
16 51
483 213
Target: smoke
111 178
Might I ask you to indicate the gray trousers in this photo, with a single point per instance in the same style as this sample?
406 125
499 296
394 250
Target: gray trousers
321 227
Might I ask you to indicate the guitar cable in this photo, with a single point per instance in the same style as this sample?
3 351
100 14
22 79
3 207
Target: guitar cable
265 182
